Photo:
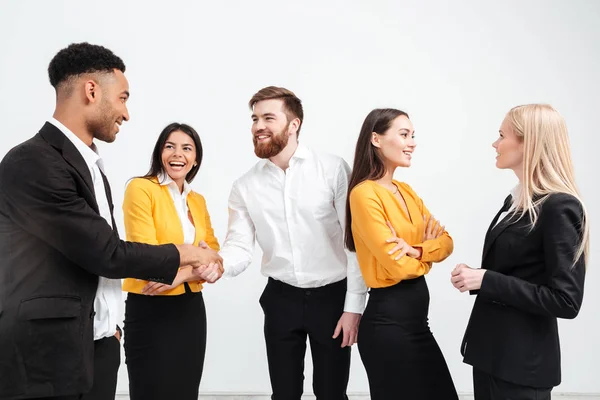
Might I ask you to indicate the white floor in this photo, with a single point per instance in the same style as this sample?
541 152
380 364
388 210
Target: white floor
215 396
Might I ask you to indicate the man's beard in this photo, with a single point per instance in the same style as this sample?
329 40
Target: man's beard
103 127
274 146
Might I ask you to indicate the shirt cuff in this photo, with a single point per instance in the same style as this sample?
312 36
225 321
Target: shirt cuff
427 248
355 303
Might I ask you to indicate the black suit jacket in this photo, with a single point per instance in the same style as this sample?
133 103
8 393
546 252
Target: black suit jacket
530 282
53 246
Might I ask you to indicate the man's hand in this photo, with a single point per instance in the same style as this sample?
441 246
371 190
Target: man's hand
433 229
466 278
401 246
348 325
197 256
210 274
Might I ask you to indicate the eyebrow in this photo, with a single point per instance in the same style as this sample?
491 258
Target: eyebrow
405 129
174 144
125 92
264 115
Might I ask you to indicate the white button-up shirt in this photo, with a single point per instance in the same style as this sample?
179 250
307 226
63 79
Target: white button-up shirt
109 300
180 202
298 217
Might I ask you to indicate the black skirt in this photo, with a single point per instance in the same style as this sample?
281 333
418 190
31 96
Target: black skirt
398 350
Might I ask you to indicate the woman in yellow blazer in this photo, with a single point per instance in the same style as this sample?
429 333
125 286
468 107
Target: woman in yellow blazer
165 326
400 355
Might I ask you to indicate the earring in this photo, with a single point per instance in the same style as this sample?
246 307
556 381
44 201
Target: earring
195 164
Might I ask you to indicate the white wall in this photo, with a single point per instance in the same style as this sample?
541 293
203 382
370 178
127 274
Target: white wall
456 67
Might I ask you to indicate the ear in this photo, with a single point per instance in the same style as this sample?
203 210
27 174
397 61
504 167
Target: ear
375 140
294 125
92 91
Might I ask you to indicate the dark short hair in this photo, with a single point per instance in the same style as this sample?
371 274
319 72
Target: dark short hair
81 58
156 165
292 106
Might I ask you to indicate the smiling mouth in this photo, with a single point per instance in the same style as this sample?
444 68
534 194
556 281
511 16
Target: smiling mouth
176 164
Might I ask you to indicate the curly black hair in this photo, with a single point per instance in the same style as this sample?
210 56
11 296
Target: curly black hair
80 58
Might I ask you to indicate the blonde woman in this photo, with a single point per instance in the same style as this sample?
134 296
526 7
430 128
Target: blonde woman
533 265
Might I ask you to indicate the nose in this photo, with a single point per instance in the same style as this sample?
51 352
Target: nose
495 144
259 125
126 115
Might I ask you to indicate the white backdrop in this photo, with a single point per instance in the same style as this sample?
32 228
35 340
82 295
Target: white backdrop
455 67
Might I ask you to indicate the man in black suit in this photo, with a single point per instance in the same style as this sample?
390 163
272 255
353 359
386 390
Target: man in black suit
54 237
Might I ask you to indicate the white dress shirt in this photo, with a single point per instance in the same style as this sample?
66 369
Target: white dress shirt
298 217
180 202
109 300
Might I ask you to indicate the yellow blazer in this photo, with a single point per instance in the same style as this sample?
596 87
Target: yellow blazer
150 217
371 205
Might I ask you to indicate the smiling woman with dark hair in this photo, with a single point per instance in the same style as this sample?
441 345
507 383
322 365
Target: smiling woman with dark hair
165 325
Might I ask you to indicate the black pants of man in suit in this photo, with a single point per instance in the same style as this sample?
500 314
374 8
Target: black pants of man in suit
488 387
107 358
292 314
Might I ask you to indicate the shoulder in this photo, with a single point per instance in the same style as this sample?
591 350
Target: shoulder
142 185
556 204
365 189
197 197
253 173
328 160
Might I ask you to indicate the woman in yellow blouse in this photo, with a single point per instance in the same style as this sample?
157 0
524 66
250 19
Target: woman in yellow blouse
165 326
400 355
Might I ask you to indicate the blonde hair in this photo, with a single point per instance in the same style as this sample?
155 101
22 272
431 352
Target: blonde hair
547 164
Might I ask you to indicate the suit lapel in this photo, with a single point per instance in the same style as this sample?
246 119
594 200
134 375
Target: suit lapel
57 139
495 230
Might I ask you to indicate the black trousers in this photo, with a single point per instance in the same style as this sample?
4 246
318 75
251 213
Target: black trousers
291 315
107 358
488 387
400 355
165 344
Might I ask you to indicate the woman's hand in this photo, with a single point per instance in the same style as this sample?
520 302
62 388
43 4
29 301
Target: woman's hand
466 278
433 230
183 275
402 247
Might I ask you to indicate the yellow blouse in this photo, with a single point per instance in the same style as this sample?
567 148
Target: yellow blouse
151 217
371 205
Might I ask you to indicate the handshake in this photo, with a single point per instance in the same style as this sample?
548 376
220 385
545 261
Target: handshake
199 264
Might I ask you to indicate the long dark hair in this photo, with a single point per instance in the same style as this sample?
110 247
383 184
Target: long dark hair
368 164
156 166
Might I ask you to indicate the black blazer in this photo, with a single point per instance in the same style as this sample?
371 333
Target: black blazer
53 246
530 282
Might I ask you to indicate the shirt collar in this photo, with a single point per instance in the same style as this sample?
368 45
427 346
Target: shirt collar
90 154
166 180
302 152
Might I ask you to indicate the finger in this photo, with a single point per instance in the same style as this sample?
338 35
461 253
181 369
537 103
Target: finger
346 338
337 330
152 289
456 278
401 254
162 289
431 219
435 228
149 287
396 248
203 244
353 337
457 269
441 231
